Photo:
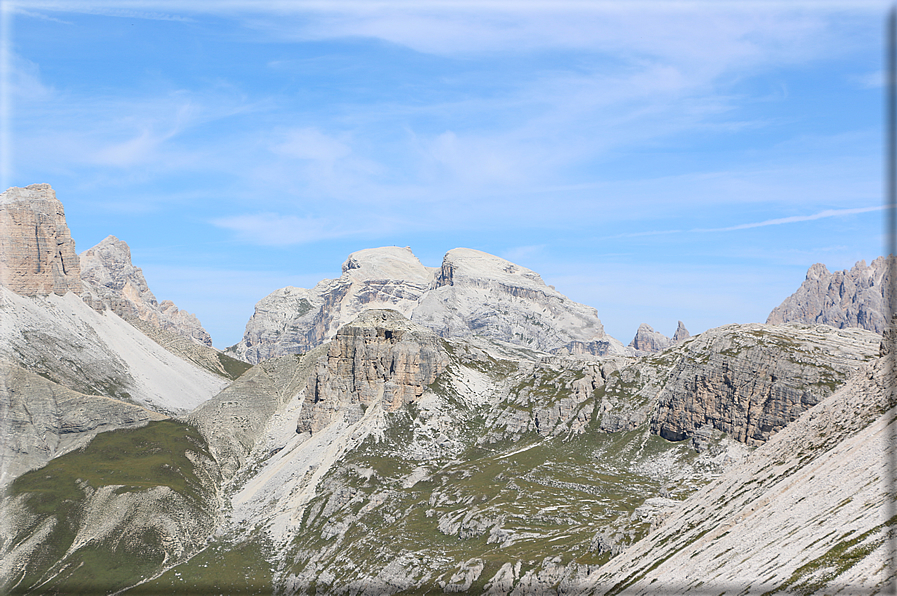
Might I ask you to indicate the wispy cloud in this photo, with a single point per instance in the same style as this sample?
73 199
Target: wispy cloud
272 229
760 224
794 219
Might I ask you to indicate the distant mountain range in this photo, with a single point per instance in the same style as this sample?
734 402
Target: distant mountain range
414 430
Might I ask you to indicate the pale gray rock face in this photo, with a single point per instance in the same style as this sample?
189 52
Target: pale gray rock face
650 341
750 381
295 320
472 294
40 420
61 338
859 297
112 282
37 253
681 333
476 293
381 359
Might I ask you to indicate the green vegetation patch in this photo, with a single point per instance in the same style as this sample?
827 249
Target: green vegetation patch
133 459
146 457
220 568
233 367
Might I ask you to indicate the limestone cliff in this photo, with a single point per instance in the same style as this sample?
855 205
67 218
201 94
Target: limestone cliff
859 297
650 341
112 282
472 294
750 381
37 253
381 358
476 293
295 320
807 512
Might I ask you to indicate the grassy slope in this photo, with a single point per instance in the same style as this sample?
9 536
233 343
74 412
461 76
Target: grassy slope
134 461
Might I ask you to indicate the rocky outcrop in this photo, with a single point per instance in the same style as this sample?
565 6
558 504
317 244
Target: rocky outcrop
295 320
681 333
112 282
750 381
379 359
859 297
650 341
37 253
235 419
807 512
476 293
40 420
472 294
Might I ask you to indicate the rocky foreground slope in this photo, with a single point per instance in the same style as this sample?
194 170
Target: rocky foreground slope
472 294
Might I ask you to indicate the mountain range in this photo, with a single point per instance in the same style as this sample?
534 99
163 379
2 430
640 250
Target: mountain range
414 430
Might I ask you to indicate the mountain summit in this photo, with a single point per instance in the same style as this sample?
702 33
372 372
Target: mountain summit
473 293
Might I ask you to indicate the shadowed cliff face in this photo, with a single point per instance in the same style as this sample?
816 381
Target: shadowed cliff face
750 381
37 253
382 358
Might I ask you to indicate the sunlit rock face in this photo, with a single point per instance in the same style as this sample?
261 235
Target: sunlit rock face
750 381
295 320
858 297
111 281
472 294
476 293
37 253
381 358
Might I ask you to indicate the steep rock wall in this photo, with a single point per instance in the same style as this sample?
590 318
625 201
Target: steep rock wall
382 358
37 253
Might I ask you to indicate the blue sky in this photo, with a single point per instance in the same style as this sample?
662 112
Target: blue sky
657 160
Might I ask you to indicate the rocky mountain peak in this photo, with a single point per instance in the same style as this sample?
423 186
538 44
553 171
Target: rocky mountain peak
111 281
37 253
681 333
648 340
473 265
387 262
472 293
858 297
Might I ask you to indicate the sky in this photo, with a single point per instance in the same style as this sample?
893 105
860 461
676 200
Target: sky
658 160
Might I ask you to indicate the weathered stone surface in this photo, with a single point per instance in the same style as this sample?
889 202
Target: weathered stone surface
681 333
99 353
112 281
472 294
295 320
804 511
206 357
37 253
234 420
40 420
381 358
749 381
476 293
859 297
650 341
